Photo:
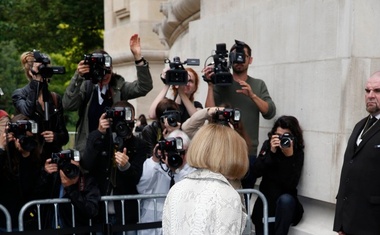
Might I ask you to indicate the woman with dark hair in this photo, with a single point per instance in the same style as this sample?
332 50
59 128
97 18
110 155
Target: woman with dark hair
280 163
141 123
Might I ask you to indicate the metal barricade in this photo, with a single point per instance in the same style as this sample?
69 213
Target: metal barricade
247 193
8 220
139 197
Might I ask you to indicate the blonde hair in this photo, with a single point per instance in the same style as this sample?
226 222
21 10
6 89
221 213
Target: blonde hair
220 149
27 59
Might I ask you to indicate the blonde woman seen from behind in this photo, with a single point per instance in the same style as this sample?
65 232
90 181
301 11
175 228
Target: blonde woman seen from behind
204 202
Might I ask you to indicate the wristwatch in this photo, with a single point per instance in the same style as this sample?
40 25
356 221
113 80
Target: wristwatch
140 60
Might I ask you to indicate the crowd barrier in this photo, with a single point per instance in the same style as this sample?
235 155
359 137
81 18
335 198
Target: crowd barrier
8 220
122 198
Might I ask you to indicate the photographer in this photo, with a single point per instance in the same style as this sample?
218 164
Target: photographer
115 157
19 169
160 128
182 94
63 178
39 104
280 164
92 90
246 93
159 174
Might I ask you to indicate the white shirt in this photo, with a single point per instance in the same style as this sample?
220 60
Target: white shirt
155 180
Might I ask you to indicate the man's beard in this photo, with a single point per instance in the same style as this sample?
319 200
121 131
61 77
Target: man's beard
373 109
239 70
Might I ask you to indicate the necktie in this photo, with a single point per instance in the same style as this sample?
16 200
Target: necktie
369 124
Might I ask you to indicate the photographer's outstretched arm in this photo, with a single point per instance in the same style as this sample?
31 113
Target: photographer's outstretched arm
72 98
210 101
191 109
26 103
160 96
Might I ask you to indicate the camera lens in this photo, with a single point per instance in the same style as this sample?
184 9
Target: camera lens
70 170
174 160
27 143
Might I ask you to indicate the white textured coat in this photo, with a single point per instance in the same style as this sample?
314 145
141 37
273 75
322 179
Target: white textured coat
203 202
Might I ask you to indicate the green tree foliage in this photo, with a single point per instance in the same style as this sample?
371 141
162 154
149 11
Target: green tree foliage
65 30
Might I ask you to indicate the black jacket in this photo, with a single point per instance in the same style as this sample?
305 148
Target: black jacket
358 200
99 162
280 175
25 101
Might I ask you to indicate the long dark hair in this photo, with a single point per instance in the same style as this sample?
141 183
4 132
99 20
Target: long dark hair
291 123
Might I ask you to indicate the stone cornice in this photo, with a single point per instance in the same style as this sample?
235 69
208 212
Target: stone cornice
178 15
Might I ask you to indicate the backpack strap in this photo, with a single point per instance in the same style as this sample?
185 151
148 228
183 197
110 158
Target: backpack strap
55 99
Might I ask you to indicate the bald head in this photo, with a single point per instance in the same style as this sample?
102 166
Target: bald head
372 95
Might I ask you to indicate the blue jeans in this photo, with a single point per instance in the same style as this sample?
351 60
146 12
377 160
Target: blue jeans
285 210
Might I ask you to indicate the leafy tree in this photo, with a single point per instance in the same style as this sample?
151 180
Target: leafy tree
65 30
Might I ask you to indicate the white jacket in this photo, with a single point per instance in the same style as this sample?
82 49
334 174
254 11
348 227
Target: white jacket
204 202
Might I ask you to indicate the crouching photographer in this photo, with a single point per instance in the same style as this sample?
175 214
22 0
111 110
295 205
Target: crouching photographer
19 166
115 157
63 177
166 167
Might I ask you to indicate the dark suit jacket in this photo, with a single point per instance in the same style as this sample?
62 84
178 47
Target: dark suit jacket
358 200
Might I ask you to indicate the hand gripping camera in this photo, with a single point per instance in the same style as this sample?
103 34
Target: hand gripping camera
45 70
19 129
100 65
177 74
172 116
63 161
172 148
122 121
286 140
227 116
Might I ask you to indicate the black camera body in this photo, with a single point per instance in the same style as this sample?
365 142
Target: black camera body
177 74
44 69
173 147
100 64
19 129
286 140
122 120
63 161
172 116
238 56
227 116
222 75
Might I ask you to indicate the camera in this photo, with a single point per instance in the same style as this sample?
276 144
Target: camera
44 69
19 129
100 64
177 74
63 161
122 120
238 55
173 148
172 116
227 116
222 75
286 140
